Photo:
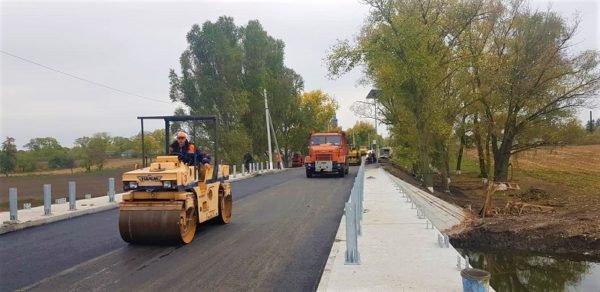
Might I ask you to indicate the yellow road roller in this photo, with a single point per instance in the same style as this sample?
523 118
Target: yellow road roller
168 197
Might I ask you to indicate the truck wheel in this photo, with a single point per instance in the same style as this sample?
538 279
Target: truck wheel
309 173
347 169
342 173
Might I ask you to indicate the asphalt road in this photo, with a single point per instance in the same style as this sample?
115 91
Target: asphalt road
282 230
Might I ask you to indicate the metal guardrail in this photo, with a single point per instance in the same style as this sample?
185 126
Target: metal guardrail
254 167
14 216
354 211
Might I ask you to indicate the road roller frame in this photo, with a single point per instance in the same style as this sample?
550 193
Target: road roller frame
167 199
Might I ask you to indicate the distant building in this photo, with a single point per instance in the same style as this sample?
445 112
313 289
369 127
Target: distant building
334 122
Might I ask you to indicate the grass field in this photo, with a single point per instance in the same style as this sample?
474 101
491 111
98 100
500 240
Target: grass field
570 173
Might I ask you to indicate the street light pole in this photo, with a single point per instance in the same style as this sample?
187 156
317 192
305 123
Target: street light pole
373 94
376 137
375 118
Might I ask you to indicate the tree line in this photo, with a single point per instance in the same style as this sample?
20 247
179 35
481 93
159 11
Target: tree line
88 152
226 71
497 73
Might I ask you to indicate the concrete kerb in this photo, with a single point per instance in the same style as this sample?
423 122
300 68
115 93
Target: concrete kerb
338 242
5 228
420 198
340 237
46 219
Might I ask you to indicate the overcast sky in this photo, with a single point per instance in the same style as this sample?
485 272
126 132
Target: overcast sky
131 45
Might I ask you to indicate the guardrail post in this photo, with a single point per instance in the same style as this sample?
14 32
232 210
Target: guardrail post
111 189
47 199
356 206
234 170
12 202
72 197
352 255
361 189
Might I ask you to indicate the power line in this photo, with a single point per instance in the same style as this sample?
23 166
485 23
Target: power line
82 79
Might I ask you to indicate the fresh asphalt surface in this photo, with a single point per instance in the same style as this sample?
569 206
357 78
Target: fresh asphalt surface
279 239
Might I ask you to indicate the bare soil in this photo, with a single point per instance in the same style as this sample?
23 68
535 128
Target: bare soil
564 181
30 189
111 163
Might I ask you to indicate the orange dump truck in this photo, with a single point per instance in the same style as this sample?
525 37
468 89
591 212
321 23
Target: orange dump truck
327 154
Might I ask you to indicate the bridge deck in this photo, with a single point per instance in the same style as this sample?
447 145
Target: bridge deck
397 251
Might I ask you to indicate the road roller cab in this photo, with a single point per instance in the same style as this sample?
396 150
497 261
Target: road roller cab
167 199
353 157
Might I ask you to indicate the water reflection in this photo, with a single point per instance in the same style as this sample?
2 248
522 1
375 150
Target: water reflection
524 272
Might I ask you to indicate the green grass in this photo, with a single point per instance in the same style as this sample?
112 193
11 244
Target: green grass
578 181
588 182
402 161
466 166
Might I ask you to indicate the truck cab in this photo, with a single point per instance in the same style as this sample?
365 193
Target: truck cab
385 153
327 154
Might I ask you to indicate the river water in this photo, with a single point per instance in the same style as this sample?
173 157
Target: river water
516 272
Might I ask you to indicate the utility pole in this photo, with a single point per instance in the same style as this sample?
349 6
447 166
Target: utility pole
376 139
268 130
591 124
275 138
374 95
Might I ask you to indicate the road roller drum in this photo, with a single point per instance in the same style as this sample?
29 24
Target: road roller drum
157 222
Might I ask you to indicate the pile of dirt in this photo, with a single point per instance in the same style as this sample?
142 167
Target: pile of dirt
533 194
567 229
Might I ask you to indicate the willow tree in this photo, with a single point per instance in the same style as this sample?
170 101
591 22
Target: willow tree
531 79
225 71
408 49
264 70
313 112
362 133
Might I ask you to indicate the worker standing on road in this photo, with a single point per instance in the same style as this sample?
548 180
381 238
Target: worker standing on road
247 161
278 160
